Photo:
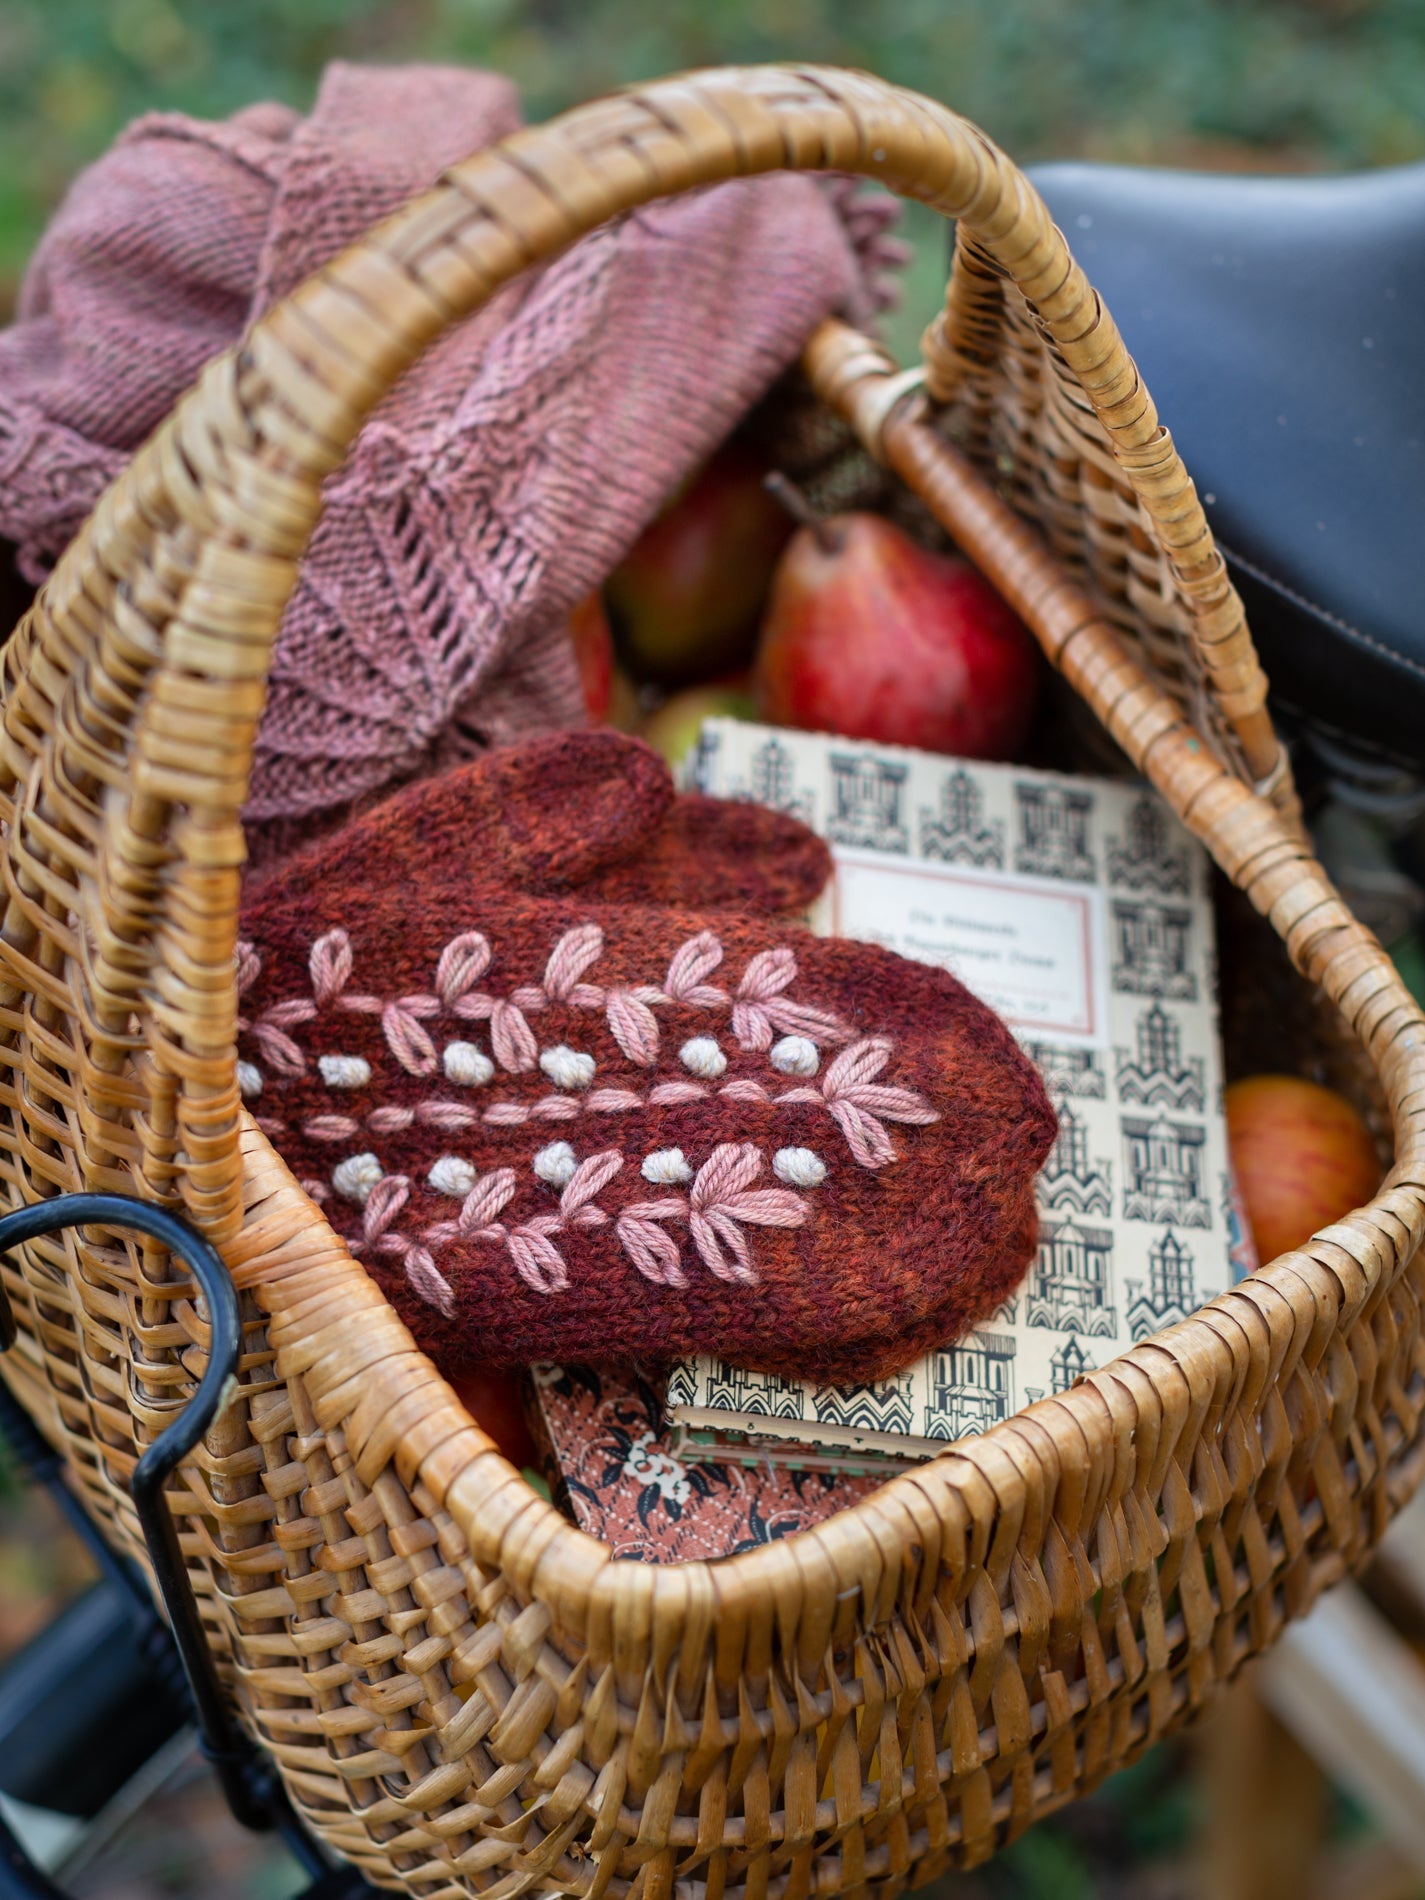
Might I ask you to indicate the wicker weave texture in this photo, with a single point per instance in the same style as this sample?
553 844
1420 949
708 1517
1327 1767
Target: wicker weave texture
463 1692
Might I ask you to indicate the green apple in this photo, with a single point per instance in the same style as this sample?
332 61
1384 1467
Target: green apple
673 729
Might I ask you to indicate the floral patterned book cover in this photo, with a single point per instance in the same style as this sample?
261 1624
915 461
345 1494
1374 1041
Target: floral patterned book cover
1080 909
607 1455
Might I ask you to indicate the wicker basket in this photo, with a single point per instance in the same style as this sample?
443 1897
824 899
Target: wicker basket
464 1694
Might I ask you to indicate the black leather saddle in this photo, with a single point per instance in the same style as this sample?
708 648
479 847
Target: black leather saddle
1280 326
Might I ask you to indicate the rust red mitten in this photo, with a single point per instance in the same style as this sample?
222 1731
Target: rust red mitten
592 811
563 1126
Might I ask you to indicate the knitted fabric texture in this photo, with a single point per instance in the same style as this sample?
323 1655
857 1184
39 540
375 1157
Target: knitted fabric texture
557 1122
499 482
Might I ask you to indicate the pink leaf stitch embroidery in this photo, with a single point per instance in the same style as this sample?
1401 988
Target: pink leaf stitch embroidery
706 1229
865 1137
489 1197
574 953
696 959
634 1026
664 1094
537 1260
331 1128
463 961
426 1278
651 1249
330 965
383 1204
282 1055
249 965
591 1177
407 1040
512 1039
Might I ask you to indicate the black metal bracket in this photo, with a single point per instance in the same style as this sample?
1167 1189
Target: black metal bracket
250 1785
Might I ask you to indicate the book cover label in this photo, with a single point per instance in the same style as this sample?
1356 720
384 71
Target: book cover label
1029 947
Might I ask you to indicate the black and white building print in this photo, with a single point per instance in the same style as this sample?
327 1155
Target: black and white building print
1054 831
1171 1292
1066 1071
1156 1074
1069 1363
1163 1171
971 1386
958 833
1068 1178
886 1406
1151 950
763 1394
702 766
772 781
1151 856
868 802
1070 1283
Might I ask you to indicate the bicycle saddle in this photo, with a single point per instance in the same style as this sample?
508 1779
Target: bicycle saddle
1277 322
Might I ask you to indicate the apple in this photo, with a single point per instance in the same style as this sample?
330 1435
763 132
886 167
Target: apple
871 635
673 729
610 696
1302 1155
593 654
687 598
496 1403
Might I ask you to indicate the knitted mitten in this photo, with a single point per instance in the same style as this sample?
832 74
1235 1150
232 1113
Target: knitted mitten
575 1126
594 811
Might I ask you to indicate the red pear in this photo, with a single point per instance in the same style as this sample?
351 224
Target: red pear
871 635
687 598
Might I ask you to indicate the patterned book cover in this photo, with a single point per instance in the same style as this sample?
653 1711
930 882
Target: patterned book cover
1080 910
607 1455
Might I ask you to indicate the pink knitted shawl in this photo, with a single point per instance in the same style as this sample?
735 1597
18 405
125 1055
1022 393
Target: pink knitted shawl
503 478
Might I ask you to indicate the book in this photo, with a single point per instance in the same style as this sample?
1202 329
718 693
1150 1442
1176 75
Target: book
1080 910
607 1454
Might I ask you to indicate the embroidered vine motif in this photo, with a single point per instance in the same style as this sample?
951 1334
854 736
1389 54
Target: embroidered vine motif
848 1091
719 1202
758 1008
714 1204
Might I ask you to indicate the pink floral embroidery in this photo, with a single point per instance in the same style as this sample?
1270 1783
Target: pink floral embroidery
721 1202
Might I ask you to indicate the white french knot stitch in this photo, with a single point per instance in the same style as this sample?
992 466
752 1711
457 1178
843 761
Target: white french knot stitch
799 1167
467 1065
666 1168
344 1072
355 1177
795 1055
451 1174
556 1164
249 1081
567 1068
702 1055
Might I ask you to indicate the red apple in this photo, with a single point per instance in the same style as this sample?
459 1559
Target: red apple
871 635
1302 1155
610 696
673 728
594 655
496 1403
687 598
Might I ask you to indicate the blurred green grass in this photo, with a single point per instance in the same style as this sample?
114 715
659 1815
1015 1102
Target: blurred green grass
1329 83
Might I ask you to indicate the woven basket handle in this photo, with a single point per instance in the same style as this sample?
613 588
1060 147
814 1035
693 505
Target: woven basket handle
133 690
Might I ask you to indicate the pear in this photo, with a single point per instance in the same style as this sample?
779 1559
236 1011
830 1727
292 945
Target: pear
870 635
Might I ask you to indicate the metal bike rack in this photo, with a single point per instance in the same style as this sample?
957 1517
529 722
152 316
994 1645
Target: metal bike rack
176 1647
